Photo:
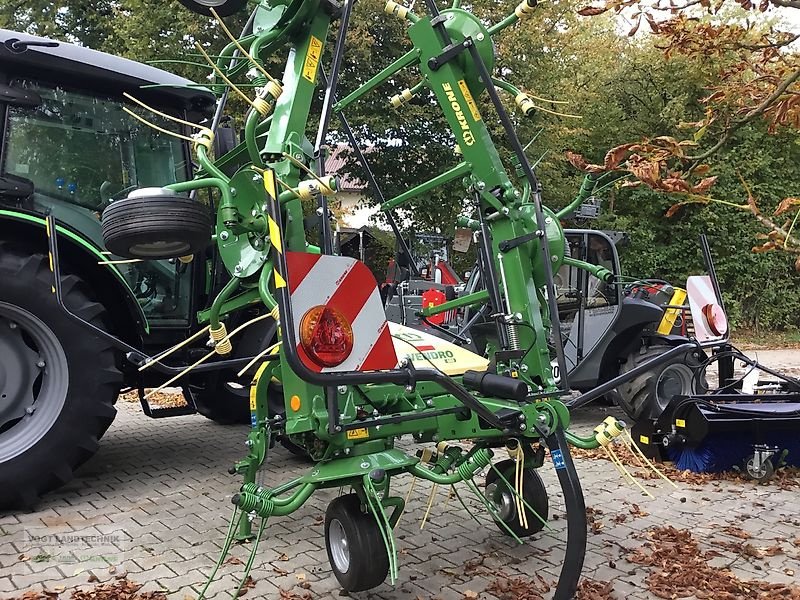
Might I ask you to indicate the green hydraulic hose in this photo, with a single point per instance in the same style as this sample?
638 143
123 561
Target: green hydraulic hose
253 117
206 182
587 186
584 443
225 293
287 506
507 22
263 286
207 164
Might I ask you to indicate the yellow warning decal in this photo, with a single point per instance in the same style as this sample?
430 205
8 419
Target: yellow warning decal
280 282
357 434
269 183
254 386
275 234
312 59
644 439
680 423
473 108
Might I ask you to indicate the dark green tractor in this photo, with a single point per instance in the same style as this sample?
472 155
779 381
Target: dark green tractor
69 150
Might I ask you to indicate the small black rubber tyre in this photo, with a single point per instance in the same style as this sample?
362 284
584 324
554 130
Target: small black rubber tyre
222 7
764 474
156 227
503 498
58 382
356 550
646 396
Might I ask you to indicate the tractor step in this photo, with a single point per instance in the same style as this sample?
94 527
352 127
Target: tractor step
154 412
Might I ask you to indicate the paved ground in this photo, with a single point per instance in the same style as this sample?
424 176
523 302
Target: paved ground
156 497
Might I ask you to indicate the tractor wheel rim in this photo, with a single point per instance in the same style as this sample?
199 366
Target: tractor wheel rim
162 248
503 501
34 378
340 547
674 380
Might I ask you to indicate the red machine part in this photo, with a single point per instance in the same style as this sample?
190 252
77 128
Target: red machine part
432 298
339 319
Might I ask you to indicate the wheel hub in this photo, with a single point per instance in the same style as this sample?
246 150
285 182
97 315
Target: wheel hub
675 380
340 549
33 380
502 500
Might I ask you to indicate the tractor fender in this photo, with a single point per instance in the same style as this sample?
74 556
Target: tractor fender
80 256
622 337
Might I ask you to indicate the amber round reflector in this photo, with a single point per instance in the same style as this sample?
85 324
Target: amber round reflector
326 336
716 319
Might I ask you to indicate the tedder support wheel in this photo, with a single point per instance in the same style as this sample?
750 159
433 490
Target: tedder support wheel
646 396
504 499
155 223
58 382
355 545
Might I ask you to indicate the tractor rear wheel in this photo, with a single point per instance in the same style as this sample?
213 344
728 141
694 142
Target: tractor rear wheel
646 396
58 382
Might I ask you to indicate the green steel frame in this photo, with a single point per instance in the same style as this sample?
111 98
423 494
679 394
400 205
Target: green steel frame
522 244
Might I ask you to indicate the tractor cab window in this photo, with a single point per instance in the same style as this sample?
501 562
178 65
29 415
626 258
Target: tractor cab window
573 284
82 152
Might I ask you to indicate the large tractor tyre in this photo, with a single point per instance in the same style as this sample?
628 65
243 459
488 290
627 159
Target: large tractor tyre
58 382
153 226
646 396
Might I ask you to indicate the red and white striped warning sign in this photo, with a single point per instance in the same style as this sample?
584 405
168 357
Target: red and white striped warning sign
710 322
348 286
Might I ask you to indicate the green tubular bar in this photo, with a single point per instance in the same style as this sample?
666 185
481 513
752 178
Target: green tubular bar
197 184
408 59
458 171
349 429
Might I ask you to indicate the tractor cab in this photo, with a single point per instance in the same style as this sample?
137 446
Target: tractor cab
70 149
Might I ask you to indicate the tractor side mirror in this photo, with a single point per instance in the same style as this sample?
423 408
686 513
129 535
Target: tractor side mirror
224 141
14 187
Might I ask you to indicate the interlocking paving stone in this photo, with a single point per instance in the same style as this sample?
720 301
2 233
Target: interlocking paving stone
163 486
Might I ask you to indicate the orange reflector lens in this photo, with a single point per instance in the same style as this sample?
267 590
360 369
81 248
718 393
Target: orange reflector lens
294 403
326 336
716 319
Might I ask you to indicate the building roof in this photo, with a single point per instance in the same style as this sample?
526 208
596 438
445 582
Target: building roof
336 165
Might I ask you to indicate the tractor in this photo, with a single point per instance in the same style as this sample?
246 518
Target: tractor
608 327
69 150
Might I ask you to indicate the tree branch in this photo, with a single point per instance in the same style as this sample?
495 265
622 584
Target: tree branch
759 110
786 3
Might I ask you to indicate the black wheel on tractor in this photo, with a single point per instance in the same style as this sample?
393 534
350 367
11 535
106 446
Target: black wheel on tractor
503 499
155 223
58 382
646 396
355 545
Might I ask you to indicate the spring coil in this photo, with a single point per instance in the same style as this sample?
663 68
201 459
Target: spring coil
513 336
250 488
480 459
253 502
259 81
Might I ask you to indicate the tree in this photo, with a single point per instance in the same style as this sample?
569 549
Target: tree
753 72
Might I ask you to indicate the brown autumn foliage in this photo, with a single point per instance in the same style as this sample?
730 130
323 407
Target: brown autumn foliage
760 79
